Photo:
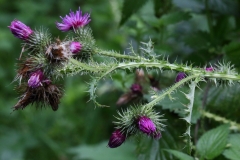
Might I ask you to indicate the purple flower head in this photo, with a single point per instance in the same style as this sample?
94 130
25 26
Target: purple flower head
136 88
116 139
36 79
157 135
146 125
75 47
180 76
20 30
209 69
73 21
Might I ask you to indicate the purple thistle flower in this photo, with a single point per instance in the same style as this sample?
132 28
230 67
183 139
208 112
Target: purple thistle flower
136 88
180 76
146 125
36 79
73 21
20 30
209 69
116 139
75 47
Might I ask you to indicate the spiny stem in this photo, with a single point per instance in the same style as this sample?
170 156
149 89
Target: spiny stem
234 125
82 65
169 91
161 65
120 56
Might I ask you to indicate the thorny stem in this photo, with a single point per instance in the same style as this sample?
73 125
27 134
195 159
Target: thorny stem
159 64
234 125
119 56
169 91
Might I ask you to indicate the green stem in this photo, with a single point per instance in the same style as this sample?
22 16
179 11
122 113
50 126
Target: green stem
169 91
234 125
119 56
159 64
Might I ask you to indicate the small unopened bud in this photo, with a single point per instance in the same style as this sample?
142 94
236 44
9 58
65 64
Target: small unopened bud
146 125
136 88
36 79
75 47
116 139
20 30
180 76
209 69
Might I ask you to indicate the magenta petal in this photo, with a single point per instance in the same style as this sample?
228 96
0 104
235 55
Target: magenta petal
146 125
116 139
20 30
73 21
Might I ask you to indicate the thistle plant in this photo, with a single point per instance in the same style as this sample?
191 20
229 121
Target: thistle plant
48 59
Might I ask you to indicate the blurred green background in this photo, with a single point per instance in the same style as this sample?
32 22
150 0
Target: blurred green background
182 30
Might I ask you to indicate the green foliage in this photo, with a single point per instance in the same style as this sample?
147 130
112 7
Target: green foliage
233 150
213 142
101 152
130 7
180 155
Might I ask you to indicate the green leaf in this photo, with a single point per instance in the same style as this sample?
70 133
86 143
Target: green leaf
180 155
233 152
149 149
177 105
213 142
102 152
161 7
130 7
232 51
174 17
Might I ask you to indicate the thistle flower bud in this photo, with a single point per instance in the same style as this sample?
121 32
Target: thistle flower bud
136 88
75 47
146 125
73 21
116 139
36 79
180 76
209 69
20 30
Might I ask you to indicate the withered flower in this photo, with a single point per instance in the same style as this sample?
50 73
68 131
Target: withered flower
59 51
25 68
47 94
